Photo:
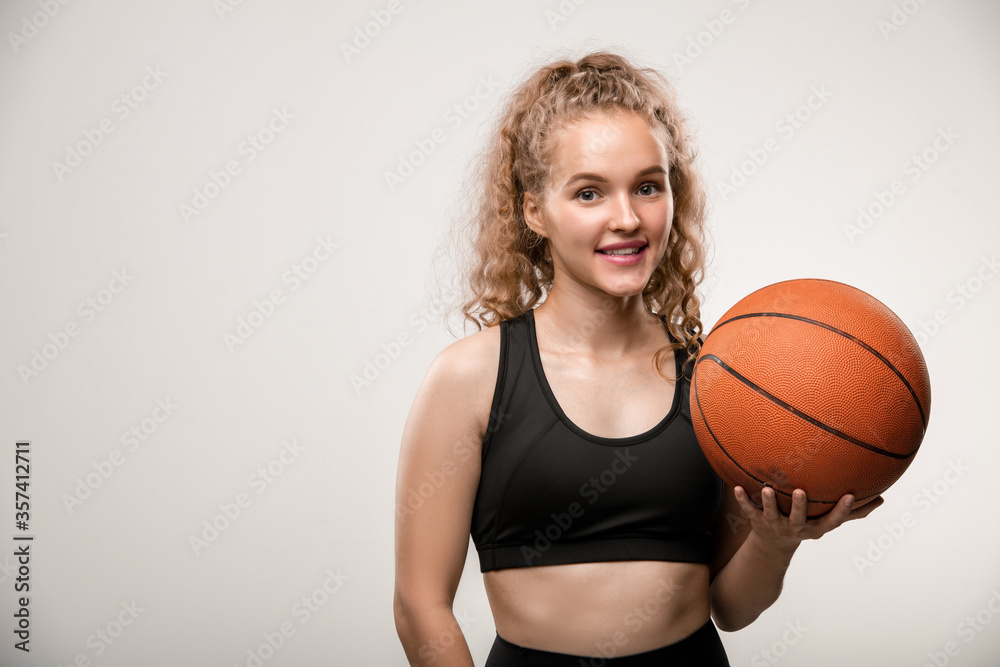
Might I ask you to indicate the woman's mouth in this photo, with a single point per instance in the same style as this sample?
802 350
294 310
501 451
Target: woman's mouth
624 256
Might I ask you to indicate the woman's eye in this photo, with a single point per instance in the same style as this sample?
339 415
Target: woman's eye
584 195
649 188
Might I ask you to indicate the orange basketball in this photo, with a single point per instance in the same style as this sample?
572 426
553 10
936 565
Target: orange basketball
810 384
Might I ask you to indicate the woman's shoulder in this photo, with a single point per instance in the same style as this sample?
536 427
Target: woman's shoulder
468 368
472 354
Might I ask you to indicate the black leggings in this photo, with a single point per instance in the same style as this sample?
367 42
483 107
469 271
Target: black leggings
702 648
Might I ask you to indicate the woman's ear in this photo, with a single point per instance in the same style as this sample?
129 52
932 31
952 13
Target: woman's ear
533 215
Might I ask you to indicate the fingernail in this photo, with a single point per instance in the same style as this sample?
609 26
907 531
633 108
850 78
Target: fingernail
850 500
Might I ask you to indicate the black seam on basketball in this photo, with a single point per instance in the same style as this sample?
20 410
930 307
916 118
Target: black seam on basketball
798 413
736 463
920 409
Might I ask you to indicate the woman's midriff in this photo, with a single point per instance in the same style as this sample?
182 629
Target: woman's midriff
602 609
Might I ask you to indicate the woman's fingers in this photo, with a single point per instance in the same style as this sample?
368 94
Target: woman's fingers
797 517
749 509
770 503
836 516
797 525
866 509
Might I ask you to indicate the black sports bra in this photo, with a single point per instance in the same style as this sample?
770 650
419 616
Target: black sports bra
551 493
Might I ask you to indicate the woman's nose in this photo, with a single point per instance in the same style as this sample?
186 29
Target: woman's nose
623 214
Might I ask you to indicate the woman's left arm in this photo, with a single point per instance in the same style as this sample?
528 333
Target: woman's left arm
755 546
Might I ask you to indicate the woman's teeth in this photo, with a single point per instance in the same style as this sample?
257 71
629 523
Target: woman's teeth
622 251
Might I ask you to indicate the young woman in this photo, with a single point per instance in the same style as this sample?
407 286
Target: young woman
560 435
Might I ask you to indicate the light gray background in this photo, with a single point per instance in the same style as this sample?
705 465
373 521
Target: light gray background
323 175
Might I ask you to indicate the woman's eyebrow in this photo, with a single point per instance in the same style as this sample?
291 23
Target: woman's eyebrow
655 169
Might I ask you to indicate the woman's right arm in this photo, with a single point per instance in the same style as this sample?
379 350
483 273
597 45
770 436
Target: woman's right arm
436 482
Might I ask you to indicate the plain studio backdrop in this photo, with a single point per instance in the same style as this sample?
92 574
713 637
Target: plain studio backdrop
219 227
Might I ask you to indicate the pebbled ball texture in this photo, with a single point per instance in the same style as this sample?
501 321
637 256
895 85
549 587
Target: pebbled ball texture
810 384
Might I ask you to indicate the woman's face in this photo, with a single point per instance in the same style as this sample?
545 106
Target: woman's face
609 186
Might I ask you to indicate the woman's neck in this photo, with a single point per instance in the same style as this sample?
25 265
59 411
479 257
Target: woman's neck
605 328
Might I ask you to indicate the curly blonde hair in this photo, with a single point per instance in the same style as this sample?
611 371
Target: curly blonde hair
510 268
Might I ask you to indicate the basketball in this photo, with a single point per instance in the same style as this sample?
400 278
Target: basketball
810 384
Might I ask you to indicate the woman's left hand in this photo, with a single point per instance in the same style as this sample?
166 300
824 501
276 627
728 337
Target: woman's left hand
784 533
